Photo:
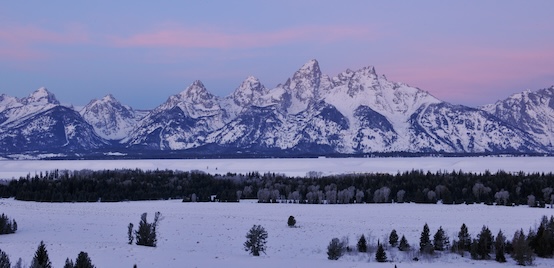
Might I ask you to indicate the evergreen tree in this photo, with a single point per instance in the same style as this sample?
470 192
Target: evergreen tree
403 246
380 255
41 259
130 233
425 244
474 249
291 222
441 240
362 244
146 233
393 238
19 263
522 253
69 263
4 260
500 247
543 241
83 261
464 239
256 240
484 244
335 249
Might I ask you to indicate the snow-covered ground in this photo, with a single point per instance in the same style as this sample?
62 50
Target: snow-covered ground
290 166
212 234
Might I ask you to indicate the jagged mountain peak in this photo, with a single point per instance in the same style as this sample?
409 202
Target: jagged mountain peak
250 89
41 96
196 93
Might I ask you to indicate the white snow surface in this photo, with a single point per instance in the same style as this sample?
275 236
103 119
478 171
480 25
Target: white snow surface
289 166
212 234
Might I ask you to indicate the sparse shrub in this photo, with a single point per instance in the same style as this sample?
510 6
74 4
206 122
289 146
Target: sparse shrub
256 240
335 249
130 233
291 222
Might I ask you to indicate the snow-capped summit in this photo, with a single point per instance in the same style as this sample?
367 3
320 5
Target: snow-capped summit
41 96
7 102
531 111
110 119
249 92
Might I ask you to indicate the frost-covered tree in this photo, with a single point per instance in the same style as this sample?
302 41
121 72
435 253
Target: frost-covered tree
403 245
256 238
502 197
400 196
335 249
4 260
381 195
531 201
83 261
393 238
41 259
362 244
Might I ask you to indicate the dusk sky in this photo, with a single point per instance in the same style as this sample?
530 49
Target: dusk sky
464 52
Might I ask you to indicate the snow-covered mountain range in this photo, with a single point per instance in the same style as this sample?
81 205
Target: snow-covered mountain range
355 112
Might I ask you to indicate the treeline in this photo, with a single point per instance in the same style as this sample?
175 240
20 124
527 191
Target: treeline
456 187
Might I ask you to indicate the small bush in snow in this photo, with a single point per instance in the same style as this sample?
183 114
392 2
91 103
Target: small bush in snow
335 249
291 221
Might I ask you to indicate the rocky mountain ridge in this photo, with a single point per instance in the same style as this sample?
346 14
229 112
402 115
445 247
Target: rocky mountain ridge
355 112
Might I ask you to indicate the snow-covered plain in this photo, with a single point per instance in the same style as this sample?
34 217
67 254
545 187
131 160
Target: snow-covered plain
212 234
290 166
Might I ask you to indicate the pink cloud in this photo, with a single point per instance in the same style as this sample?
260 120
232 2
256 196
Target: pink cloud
198 38
22 42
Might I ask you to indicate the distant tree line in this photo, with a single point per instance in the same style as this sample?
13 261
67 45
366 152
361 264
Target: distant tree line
456 187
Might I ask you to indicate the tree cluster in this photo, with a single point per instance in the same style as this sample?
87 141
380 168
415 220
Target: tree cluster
146 234
7 226
42 260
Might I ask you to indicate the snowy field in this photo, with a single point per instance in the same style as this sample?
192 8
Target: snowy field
292 167
212 234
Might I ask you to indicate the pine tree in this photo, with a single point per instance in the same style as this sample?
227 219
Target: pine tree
362 244
69 263
543 241
335 249
291 222
425 244
146 233
41 259
256 240
522 253
4 260
83 261
499 247
380 255
484 244
440 240
393 238
464 239
130 233
403 246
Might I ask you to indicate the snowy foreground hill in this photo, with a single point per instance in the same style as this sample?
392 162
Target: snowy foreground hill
212 234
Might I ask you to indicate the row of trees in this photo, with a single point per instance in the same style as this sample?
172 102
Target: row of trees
522 248
42 260
7 225
536 189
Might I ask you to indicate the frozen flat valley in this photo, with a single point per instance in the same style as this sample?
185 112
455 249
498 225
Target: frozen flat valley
290 166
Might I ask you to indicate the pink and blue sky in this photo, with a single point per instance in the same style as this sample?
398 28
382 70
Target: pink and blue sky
469 52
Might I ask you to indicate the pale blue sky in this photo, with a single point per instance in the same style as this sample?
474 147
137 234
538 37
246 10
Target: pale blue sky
465 52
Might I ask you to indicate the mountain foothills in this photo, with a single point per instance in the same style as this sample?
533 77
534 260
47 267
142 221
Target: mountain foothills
356 112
